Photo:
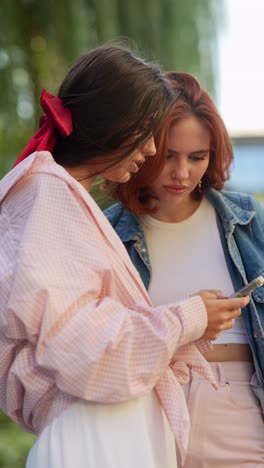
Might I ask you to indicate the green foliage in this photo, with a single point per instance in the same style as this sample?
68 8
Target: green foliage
100 195
259 197
39 40
14 444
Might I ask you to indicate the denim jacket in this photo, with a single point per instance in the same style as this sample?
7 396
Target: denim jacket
240 219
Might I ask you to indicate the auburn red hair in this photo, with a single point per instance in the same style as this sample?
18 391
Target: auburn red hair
193 100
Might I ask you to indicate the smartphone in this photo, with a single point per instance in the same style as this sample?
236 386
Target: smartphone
249 288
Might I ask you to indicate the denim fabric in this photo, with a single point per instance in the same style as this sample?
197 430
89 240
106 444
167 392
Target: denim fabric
240 219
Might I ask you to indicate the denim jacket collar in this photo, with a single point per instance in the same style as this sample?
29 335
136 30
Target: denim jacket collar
128 227
229 212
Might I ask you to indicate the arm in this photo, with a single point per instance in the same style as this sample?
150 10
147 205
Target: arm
65 308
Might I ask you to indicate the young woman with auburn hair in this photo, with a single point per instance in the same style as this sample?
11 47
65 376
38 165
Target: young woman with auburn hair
182 230
83 352
194 101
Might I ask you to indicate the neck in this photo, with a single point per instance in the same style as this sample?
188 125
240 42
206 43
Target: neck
81 174
176 214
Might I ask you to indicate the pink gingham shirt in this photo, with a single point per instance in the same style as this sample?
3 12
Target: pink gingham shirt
75 319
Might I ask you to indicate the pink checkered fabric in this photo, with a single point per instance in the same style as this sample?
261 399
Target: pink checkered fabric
75 319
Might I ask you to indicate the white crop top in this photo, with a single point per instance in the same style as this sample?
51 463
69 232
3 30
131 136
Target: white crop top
186 257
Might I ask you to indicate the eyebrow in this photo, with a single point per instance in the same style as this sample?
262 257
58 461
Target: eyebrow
201 151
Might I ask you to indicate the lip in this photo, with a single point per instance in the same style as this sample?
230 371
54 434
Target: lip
176 189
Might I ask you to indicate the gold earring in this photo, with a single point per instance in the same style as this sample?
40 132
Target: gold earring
200 184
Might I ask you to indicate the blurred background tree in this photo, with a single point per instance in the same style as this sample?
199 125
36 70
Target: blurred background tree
38 42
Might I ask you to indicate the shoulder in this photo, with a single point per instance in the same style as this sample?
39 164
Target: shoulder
31 172
125 223
115 213
243 200
45 195
236 206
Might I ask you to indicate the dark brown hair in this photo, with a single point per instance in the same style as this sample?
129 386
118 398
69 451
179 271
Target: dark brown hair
117 101
193 100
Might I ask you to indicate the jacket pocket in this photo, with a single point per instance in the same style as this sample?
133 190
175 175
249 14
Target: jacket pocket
258 294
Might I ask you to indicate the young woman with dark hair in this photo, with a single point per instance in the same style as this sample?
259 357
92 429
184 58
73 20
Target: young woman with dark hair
81 346
183 231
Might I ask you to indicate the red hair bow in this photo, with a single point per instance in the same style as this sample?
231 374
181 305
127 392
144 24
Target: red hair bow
57 119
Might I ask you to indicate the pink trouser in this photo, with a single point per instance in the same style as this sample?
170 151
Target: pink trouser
227 428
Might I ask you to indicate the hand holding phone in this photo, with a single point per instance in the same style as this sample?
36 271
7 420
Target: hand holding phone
249 288
221 312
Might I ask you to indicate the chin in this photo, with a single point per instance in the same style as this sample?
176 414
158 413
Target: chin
118 178
124 178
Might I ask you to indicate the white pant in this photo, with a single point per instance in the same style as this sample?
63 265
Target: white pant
134 434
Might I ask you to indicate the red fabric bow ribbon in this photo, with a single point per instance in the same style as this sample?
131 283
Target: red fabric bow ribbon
57 119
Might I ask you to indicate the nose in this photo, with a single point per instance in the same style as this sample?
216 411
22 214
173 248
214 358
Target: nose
149 147
180 170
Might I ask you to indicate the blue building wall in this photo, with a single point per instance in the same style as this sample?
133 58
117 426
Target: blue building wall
247 173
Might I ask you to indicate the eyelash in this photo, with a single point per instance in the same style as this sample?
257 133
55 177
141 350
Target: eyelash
194 158
198 158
